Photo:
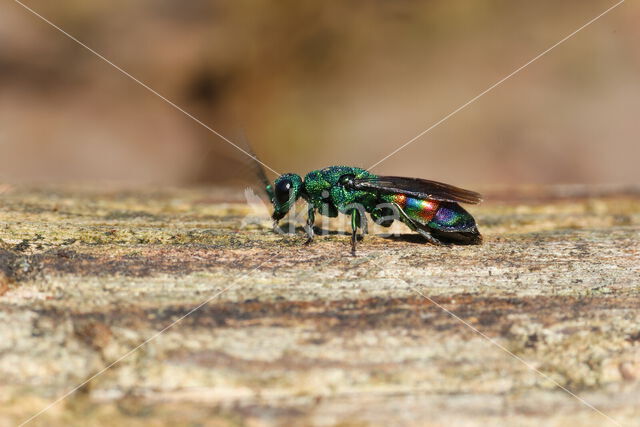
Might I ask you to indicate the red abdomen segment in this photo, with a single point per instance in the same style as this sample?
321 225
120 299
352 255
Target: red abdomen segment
422 210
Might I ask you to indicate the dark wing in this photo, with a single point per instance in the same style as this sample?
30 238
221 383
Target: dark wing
418 188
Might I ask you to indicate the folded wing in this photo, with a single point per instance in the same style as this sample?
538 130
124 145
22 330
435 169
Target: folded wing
418 188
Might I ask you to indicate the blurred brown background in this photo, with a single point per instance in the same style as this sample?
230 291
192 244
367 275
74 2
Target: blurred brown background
320 83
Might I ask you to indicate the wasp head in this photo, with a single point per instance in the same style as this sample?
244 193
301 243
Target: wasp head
284 193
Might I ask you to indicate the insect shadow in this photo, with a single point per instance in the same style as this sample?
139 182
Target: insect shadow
290 228
404 237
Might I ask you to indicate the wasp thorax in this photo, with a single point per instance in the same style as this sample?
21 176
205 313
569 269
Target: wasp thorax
347 180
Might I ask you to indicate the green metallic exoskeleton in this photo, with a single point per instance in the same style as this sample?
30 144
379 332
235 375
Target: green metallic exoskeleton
427 207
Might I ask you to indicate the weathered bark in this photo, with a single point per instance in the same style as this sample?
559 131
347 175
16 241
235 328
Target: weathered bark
309 334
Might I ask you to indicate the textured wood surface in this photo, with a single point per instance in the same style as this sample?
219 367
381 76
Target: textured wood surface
308 334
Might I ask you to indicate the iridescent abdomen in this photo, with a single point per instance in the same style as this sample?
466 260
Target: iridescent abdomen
422 210
451 217
443 216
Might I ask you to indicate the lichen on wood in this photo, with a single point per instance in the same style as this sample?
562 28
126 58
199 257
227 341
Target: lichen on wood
308 334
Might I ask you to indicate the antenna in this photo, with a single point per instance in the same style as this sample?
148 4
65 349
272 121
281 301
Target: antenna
257 167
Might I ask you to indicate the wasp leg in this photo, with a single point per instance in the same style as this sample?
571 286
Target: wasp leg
364 224
355 221
276 227
415 227
311 219
424 233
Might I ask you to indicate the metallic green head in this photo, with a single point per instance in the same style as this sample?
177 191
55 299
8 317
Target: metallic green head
284 193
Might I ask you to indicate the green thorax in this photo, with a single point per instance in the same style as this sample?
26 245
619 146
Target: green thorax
323 186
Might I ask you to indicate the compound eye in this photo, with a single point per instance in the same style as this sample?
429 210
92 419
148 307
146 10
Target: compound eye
347 180
283 188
